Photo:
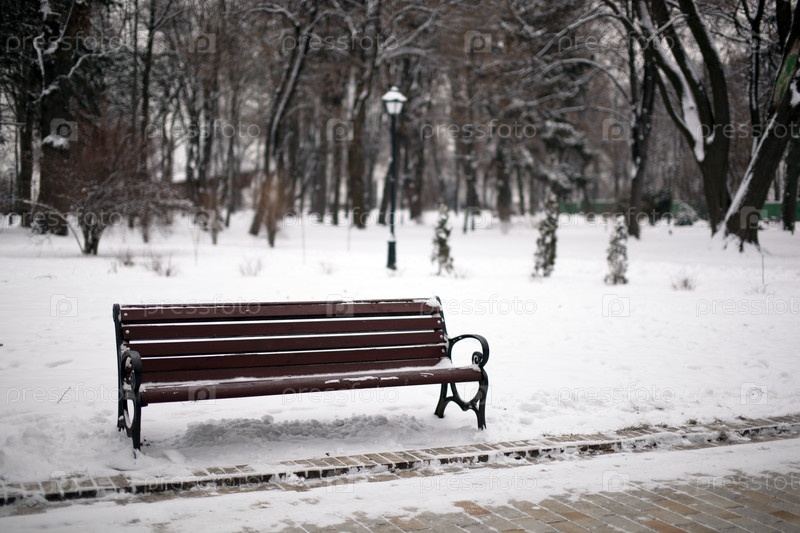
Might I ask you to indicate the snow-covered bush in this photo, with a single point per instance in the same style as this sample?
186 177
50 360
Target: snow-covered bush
684 282
158 266
441 244
250 268
684 215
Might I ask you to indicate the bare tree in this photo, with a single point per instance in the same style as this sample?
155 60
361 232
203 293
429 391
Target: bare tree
699 111
741 220
301 16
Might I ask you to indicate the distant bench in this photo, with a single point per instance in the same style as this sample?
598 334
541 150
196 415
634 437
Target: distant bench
174 353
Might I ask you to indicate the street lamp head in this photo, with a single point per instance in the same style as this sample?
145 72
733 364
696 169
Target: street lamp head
394 101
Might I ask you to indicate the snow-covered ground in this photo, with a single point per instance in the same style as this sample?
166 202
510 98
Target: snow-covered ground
568 354
767 465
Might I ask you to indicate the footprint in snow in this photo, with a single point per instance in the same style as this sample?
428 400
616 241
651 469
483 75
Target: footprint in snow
58 363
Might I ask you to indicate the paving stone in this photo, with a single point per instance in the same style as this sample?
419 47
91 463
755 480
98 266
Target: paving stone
567 527
757 510
497 523
377 525
713 517
531 524
718 500
751 525
543 515
676 507
444 523
475 528
293 529
663 527
757 515
786 516
508 512
679 495
617 508
670 517
625 524
364 460
344 526
34 487
348 461
696 527
559 508
379 458
788 496
585 521
408 457
590 509
335 463
472 509
407 524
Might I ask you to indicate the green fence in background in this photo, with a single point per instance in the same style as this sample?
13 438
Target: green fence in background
771 210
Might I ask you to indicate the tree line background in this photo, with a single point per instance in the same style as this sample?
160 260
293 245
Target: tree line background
139 108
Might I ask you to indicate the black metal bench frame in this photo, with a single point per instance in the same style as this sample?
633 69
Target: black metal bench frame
168 353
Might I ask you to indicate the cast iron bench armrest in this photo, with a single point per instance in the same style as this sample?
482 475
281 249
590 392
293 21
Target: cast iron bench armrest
132 356
478 358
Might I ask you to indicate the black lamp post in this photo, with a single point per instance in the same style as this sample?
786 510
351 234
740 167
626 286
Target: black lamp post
393 100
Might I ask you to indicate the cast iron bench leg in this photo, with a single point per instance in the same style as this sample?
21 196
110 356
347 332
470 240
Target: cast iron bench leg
476 404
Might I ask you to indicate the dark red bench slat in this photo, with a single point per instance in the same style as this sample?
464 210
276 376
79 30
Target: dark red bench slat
193 330
282 344
189 375
152 365
238 311
238 389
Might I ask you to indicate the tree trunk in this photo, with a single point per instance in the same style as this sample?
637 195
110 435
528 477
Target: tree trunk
319 189
473 208
363 86
337 182
789 207
640 135
233 164
520 191
694 106
413 189
533 186
280 103
742 217
356 172
25 177
503 185
55 116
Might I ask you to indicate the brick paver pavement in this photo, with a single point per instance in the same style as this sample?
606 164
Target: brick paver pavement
769 501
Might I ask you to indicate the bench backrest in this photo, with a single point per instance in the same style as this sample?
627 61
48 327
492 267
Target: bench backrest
180 343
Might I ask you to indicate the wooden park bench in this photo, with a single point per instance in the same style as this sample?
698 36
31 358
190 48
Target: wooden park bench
175 353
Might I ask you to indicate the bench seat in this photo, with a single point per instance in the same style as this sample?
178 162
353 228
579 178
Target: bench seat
362 379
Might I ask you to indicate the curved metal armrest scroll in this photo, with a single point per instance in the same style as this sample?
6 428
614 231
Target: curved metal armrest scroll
478 358
131 358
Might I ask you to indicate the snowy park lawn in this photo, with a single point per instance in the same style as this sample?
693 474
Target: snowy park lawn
569 354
